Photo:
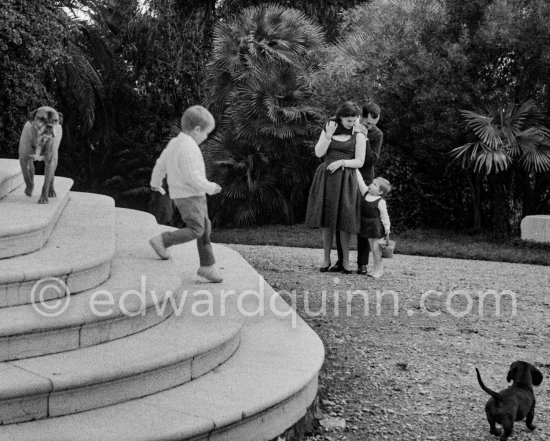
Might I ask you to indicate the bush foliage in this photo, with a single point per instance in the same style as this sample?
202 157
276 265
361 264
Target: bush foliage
123 73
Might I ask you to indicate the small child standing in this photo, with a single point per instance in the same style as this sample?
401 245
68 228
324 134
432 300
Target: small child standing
181 162
375 221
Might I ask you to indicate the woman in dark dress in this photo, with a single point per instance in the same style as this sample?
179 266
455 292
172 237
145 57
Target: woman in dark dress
334 202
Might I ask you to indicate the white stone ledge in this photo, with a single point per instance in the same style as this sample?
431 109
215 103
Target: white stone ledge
536 228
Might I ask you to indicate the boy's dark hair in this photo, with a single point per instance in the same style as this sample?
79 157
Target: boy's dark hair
372 108
196 116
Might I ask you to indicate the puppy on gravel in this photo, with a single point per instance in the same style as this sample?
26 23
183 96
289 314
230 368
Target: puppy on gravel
40 142
514 403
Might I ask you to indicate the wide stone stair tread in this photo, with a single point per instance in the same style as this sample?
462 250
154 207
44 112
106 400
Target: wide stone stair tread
200 361
10 176
78 252
25 332
255 395
25 225
167 355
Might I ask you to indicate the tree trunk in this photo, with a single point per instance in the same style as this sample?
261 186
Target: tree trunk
501 205
527 192
95 167
541 196
475 187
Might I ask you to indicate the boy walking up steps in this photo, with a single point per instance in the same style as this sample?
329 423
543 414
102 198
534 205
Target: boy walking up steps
181 162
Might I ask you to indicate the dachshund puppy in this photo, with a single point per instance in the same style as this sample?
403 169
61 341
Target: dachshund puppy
39 141
514 403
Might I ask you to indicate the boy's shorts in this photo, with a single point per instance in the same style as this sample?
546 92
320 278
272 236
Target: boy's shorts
193 211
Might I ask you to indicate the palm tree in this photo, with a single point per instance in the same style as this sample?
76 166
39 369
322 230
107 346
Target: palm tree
255 41
327 12
508 138
260 153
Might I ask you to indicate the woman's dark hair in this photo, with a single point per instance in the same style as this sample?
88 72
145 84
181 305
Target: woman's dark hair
349 108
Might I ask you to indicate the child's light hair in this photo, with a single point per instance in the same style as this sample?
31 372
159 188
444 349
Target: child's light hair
384 186
196 116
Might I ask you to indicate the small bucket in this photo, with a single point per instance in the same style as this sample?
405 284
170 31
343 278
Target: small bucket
387 248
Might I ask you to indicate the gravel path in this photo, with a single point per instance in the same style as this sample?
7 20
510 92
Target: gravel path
401 350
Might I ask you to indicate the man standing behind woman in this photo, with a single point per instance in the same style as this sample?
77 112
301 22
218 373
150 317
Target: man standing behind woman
369 119
334 203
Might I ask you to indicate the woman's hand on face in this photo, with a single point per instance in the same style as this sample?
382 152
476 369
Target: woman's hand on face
330 128
333 166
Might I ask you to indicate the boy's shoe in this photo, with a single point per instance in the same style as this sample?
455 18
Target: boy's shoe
210 273
362 269
158 245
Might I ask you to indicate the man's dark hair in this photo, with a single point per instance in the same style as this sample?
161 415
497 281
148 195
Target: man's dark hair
372 108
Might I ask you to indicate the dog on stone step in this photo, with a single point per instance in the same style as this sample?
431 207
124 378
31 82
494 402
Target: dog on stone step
39 141
514 403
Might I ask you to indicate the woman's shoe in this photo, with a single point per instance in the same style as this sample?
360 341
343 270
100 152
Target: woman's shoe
324 269
336 268
345 271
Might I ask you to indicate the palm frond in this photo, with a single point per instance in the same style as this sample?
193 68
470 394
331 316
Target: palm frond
536 159
467 153
486 161
482 126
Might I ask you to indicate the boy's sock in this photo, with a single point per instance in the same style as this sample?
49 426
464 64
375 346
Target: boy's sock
158 245
210 273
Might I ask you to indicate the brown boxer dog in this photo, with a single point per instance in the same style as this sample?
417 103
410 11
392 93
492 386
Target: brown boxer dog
40 142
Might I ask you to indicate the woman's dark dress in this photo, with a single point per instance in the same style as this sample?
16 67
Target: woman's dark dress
334 200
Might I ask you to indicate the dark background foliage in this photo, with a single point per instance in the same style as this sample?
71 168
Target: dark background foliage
122 75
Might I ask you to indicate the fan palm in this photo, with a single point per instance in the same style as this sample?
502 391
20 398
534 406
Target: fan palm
250 194
506 134
259 154
258 39
507 137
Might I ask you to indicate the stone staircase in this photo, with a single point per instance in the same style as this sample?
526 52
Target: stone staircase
101 340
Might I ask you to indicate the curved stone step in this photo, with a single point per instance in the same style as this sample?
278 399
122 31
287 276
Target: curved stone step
162 357
25 225
124 304
262 390
78 252
10 176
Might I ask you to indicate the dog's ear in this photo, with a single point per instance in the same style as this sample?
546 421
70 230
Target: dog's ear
60 118
31 115
536 375
511 373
